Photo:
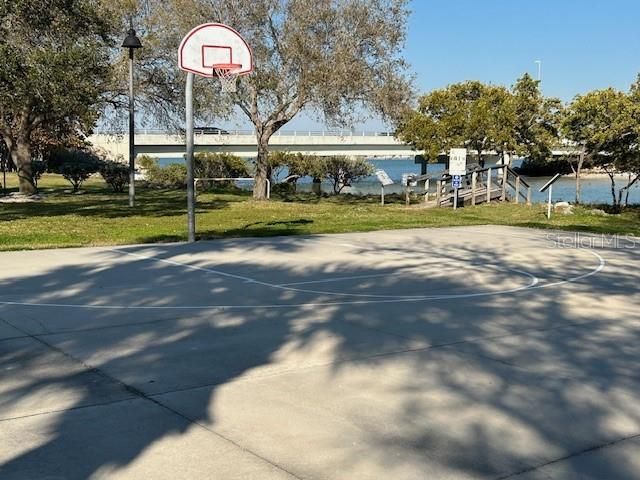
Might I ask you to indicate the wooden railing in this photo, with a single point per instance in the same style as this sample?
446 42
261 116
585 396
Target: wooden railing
484 185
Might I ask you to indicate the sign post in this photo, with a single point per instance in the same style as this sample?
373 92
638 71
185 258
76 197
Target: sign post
549 186
384 179
456 182
408 181
457 168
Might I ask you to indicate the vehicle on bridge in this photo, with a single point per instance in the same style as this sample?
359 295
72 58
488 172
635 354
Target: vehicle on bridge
210 131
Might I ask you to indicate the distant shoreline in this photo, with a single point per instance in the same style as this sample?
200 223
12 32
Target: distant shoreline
584 174
595 174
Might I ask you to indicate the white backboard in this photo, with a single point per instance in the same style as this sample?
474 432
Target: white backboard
214 43
458 161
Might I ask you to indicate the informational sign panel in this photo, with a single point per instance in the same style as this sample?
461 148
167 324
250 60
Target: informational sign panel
550 182
384 178
456 181
458 161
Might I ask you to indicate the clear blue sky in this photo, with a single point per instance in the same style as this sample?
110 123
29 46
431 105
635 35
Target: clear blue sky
583 45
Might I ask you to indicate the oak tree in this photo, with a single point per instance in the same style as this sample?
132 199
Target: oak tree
337 59
605 123
55 63
468 114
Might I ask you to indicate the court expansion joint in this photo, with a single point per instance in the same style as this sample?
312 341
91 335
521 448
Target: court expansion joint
137 393
584 451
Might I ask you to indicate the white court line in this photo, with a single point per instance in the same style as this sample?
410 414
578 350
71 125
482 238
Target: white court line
534 280
339 279
184 265
534 285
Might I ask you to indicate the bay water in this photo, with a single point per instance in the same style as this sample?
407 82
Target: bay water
596 189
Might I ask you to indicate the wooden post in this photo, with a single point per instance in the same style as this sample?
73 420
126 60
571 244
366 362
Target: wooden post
438 191
529 196
426 190
489 186
505 173
474 178
518 189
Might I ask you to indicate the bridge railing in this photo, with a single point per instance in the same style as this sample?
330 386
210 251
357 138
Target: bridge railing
245 132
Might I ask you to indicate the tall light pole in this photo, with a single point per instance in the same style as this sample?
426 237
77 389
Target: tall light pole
539 62
132 42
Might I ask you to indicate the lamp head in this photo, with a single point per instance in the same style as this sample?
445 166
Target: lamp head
131 40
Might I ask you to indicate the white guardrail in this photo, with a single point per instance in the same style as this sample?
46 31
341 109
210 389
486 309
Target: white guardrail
224 132
222 179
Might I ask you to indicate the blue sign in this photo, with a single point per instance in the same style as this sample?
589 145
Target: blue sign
456 181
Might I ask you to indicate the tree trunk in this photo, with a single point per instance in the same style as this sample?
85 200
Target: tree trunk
21 156
316 186
578 186
578 172
626 197
630 182
613 190
262 168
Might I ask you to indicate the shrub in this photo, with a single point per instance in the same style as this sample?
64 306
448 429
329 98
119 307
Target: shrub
55 159
539 167
295 163
284 189
38 167
171 176
218 165
146 162
116 175
344 171
74 165
298 166
277 162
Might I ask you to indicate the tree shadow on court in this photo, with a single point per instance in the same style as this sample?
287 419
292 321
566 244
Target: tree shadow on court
483 381
299 226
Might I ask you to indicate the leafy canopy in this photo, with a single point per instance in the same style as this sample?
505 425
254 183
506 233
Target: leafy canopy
55 61
483 117
55 68
607 123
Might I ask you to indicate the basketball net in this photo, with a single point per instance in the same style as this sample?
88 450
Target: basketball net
227 73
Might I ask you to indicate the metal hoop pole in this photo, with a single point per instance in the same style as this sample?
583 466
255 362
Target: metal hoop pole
191 211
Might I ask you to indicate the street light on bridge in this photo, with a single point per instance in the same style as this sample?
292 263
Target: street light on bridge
539 63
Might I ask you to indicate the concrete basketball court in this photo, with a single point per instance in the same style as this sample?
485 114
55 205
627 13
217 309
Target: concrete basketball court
459 353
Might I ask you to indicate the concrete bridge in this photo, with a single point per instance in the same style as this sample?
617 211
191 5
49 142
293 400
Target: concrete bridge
161 144
244 144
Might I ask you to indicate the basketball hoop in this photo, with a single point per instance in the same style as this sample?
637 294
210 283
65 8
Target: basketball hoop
209 50
227 73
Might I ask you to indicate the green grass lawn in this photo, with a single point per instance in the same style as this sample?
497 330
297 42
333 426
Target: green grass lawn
98 217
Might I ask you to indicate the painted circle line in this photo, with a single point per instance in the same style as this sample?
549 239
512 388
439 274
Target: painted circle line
534 284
